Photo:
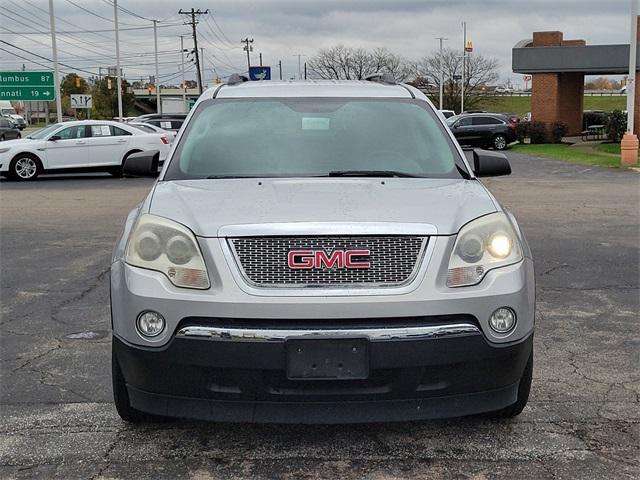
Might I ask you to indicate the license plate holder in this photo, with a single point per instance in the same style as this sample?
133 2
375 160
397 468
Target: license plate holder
327 359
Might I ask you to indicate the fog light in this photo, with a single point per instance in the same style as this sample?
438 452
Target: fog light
150 323
502 320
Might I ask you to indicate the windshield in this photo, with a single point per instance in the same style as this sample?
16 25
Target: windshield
8 111
453 119
287 137
40 134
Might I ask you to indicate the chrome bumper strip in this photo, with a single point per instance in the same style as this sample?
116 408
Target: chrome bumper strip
373 334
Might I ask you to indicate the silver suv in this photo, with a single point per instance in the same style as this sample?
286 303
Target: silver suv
320 252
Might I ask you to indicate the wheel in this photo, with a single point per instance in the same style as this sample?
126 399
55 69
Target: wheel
2 138
19 135
523 394
121 397
25 167
499 142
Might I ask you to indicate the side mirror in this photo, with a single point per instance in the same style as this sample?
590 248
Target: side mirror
490 164
142 164
54 138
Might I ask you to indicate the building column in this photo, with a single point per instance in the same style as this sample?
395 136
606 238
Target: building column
557 97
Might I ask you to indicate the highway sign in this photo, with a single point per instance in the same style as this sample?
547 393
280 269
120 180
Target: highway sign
259 73
27 86
45 94
26 79
81 101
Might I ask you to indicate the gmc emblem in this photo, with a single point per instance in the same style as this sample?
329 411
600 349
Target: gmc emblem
318 259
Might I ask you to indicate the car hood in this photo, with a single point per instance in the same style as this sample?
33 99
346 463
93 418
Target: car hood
205 206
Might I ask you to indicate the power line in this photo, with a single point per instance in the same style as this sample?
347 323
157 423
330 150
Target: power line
97 14
122 9
220 29
47 59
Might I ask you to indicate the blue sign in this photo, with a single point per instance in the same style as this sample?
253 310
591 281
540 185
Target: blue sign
259 73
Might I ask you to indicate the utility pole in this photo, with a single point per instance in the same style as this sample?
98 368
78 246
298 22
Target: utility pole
248 48
464 64
280 68
155 46
56 72
299 55
629 143
305 70
193 24
260 58
440 64
118 72
184 86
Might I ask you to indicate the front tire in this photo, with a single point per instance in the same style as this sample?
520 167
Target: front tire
25 167
2 139
499 142
524 388
121 396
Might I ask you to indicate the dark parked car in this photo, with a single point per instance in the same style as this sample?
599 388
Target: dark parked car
483 130
8 130
166 121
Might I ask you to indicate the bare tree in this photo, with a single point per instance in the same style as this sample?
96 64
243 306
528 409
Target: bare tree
345 63
480 71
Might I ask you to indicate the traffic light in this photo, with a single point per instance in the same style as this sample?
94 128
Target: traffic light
77 82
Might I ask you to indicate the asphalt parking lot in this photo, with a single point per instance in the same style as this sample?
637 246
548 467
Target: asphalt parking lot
582 421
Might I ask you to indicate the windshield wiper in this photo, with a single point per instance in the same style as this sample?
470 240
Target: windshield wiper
371 173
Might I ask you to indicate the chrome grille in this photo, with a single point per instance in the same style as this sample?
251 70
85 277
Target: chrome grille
393 260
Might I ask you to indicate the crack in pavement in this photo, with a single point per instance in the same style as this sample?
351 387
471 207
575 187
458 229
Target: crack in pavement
75 298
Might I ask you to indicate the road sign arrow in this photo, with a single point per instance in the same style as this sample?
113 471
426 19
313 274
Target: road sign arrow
46 94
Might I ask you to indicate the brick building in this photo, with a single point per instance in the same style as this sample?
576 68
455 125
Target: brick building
558 67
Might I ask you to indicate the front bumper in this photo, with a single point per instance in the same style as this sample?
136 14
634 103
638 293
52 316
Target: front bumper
246 381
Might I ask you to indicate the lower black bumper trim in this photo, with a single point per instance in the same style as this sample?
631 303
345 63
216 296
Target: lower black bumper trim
323 412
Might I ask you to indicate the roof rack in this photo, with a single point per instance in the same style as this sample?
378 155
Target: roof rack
236 78
381 77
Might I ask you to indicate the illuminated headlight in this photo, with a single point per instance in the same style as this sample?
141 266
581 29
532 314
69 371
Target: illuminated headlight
482 245
160 244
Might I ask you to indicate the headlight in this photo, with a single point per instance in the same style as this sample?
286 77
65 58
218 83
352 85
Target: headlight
482 245
165 246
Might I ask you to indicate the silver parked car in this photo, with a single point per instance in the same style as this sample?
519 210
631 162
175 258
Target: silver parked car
320 252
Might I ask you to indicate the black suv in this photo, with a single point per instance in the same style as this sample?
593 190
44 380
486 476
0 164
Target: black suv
483 130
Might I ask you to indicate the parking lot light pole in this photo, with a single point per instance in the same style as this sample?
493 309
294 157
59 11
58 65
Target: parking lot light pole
440 64
155 46
56 72
118 72
184 85
629 143
464 64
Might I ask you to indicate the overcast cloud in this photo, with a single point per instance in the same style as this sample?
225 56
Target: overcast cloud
283 28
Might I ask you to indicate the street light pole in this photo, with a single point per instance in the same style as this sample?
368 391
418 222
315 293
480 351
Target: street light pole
629 144
155 46
464 64
118 72
56 72
184 86
440 64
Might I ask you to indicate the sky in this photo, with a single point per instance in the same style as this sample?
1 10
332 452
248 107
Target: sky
282 29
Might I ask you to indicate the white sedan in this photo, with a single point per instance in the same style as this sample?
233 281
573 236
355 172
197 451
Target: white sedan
147 127
88 145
